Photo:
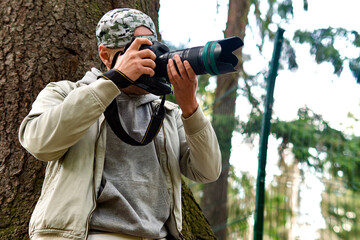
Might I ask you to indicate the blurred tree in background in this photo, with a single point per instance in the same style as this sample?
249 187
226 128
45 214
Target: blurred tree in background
315 137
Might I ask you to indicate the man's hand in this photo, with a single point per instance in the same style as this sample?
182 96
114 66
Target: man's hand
185 84
134 63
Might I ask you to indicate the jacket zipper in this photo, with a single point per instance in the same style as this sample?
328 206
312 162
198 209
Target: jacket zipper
172 186
93 190
92 210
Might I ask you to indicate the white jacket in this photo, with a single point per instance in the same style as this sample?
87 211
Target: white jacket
66 128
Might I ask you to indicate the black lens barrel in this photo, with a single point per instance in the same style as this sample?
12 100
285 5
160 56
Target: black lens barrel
215 58
193 55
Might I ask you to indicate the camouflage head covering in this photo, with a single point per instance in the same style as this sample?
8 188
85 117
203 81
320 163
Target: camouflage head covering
116 28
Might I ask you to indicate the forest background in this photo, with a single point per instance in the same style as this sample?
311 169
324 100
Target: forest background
317 80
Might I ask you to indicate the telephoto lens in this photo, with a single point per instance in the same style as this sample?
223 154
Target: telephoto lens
215 58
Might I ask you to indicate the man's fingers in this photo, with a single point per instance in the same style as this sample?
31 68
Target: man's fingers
147 53
145 66
189 70
148 71
138 42
174 71
180 66
171 71
148 63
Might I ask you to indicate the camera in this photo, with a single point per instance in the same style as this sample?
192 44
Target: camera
215 58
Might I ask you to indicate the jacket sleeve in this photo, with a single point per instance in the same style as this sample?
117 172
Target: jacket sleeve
201 157
61 114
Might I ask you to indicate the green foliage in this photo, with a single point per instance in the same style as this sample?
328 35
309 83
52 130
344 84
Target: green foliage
205 95
311 139
314 142
224 125
278 211
285 9
241 199
171 97
340 208
290 55
203 82
306 5
322 43
354 66
253 126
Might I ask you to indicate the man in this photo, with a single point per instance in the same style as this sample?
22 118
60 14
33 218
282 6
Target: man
97 186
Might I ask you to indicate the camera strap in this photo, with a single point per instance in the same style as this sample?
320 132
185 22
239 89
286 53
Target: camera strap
112 115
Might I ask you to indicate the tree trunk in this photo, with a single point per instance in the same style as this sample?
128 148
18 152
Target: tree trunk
40 42
195 225
214 201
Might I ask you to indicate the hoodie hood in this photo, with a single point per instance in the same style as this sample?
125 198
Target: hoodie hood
137 99
90 76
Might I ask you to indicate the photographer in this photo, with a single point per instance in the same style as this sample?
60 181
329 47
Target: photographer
96 185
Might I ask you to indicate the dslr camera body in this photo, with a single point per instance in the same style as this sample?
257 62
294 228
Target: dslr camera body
215 58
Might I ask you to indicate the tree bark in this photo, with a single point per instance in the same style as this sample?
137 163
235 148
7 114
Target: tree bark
195 225
214 201
40 42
